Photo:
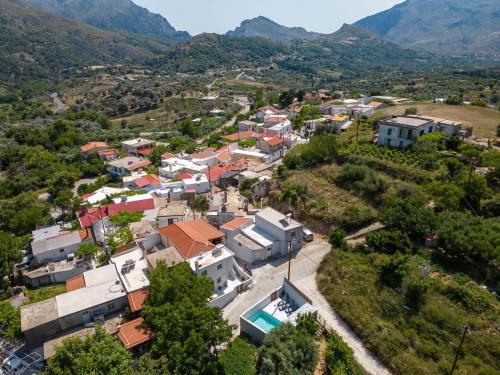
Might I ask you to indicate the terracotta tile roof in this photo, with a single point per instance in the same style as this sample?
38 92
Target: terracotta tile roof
92 145
203 155
185 176
138 165
241 136
224 156
146 151
93 215
214 173
108 152
137 298
338 118
134 333
268 108
191 238
274 141
168 155
236 223
148 180
375 104
77 282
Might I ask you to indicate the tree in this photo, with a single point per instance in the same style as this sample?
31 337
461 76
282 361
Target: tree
87 249
189 333
339 358
394 269
447 196
308 323
286 98
20 215
389 241
100 353
156 154
287 350
240 358
411 216
336 238
201 203
10 253
11 319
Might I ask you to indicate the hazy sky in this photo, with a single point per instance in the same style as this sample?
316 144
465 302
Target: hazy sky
326 16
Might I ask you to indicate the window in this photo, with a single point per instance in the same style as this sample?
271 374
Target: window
400 132
61 250
409 135
389 131
111 306
422 132
268 249
170 221
218 280
239 244
293 234
430 129
219 266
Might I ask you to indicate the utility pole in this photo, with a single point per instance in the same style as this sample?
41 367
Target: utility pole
466 330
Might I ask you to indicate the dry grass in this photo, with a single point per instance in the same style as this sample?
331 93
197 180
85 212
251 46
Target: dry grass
484 120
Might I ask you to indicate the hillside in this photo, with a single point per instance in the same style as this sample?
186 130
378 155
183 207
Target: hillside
213 51
41 45
266 28
458 27
114 15
353 51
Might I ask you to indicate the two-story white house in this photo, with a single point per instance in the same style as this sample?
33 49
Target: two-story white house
402 131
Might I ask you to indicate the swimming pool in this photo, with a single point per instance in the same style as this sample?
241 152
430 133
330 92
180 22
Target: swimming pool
264 321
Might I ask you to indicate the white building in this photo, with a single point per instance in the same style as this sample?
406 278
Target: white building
54 244
126 166
402 131
283 305
139 146
271 235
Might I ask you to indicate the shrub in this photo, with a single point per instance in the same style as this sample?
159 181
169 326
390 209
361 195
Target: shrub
337 239
11 318
240 358
86 249
389 241
354 217
308 323
416 291
339 358
469 296
394 269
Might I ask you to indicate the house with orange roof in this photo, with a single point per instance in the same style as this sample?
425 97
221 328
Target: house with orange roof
108 154
134 333
126 166
138 146
271 146
202 246
93 147
148 182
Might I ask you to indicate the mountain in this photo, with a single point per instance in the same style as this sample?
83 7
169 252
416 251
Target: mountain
114 15
353 52
39 45
213 51
457 27
268 29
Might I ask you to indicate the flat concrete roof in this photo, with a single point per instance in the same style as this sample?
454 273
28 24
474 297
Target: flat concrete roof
277 218
39 313
177 208
407 121
169 255
247 242
133 278
210 257
100 275
259 236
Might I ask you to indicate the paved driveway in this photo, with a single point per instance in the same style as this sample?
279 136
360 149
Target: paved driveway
269 276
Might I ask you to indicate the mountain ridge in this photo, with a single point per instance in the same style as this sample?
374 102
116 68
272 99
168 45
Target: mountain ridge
113 15
456 27
266 28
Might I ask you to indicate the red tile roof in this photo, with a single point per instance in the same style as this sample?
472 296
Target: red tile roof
92 145
203 155
93 215
108 152
236 223
375 104
168 155
274 141
191 238
185 176
148 180
134 333
146 151
268 108
137 298
138 165
77 282
214 173
241 136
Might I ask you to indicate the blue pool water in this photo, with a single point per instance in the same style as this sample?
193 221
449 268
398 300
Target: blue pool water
264 321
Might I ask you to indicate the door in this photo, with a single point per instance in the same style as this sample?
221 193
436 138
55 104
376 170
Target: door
86 318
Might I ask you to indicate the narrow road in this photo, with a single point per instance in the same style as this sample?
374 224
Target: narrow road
269 276
58 102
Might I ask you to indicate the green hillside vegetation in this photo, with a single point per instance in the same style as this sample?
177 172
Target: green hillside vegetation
113 15
41 46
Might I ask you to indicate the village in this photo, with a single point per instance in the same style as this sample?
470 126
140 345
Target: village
204 209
